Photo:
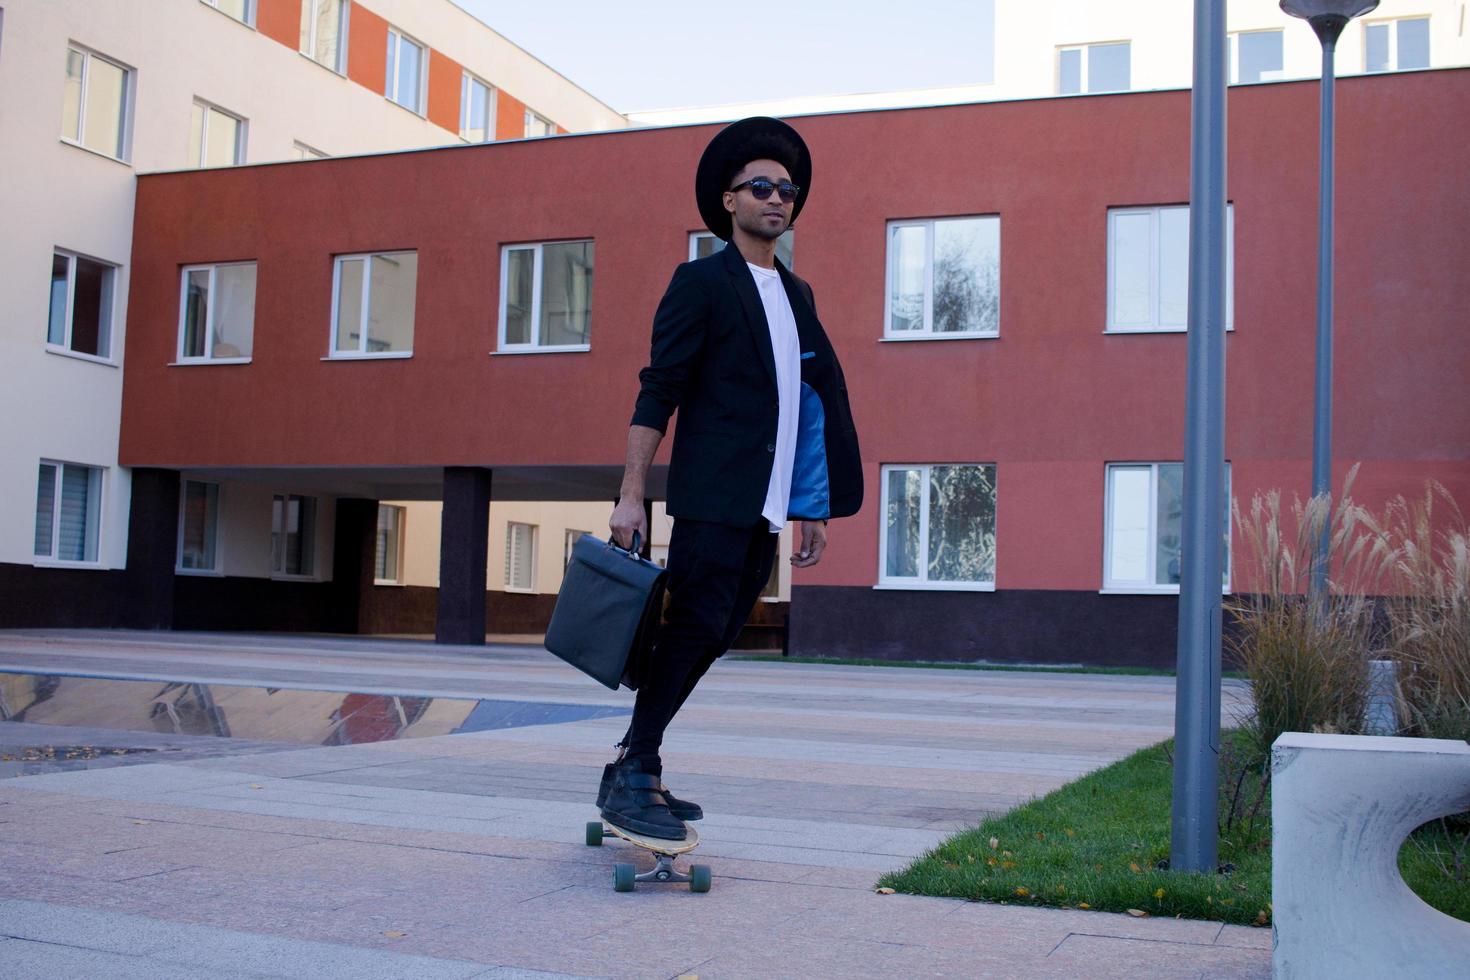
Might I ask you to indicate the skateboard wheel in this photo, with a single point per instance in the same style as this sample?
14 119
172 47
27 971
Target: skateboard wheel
594 833
699 878
623 877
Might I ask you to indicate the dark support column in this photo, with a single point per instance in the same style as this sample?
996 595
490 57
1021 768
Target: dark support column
463 551
153 546
354 545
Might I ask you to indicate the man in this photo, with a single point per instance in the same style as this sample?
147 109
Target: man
739 353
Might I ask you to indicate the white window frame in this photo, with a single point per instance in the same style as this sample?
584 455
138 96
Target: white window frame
130 86
533 347
1086 50
208 356
466 79
362 353
1154 279
921 582
396 39
316 516
402 519
219 493
1233 43
64 348
241 135
573 535
787 239
1392 23
344 9
248 20
534 116
99 484
305 151
510 555
891 265
1150 586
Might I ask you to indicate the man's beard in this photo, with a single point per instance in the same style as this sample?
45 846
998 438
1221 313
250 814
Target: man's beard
759 229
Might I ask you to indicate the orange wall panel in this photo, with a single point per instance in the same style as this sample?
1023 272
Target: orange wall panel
367 48
510 116
279 20
445 76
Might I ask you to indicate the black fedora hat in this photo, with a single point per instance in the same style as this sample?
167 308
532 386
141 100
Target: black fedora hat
731 149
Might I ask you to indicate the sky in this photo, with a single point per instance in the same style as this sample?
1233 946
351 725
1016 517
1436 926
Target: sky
661 54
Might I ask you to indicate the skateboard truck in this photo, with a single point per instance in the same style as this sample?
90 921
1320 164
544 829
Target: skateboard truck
626 876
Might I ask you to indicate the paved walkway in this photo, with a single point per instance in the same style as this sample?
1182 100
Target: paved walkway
462 855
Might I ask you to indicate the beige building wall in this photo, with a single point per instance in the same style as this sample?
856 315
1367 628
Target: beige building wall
66 407
420 557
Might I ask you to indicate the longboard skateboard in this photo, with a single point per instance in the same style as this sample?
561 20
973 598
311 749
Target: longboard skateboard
625 876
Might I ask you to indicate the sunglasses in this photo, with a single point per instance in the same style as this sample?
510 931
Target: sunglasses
761 188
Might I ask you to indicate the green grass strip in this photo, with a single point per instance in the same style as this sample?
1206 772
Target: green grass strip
1096 843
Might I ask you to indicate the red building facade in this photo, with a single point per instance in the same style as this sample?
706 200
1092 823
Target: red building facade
1050 400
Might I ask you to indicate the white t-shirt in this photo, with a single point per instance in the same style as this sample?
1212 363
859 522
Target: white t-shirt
786 346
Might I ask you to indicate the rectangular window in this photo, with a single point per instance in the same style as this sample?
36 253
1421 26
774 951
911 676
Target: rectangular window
405 81
373 300
938 526
546 296
241 10
324 33
293 535
68 511
943 278
537 125
476 110
1145 512
300 151
1255 56
1148 268
198 526
96 104
386 567
520 557
216 137
1094 68
573 536
217 312
1391 45
80 317
703 244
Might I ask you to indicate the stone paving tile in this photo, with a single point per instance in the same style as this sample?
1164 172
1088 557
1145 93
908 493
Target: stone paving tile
26 960
1108 957
1246 937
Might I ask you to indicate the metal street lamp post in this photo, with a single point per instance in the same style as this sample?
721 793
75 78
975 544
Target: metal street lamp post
1193 832
1328 18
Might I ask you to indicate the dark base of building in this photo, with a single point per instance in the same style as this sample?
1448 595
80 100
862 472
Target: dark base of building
1012 626
68 598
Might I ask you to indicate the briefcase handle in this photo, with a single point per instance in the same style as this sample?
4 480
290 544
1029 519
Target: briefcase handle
635 552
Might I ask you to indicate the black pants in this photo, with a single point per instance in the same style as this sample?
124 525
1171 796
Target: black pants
716 574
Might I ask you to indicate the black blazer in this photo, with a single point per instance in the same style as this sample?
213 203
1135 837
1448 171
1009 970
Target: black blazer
711 360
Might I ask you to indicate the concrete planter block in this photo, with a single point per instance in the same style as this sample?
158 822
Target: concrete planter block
1341 807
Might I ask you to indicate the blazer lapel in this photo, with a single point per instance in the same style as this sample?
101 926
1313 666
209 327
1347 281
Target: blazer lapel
808 328
755 310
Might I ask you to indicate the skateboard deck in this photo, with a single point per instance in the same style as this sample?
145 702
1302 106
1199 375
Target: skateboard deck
625 876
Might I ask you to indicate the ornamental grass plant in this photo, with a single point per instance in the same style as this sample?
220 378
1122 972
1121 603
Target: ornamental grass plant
1306 657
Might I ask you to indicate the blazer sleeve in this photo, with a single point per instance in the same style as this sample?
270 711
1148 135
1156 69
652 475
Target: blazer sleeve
679 330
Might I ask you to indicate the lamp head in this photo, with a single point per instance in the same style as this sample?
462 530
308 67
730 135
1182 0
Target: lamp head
1328 17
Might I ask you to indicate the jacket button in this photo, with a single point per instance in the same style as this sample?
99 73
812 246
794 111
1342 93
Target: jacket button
770 447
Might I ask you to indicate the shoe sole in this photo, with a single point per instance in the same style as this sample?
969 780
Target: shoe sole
643 827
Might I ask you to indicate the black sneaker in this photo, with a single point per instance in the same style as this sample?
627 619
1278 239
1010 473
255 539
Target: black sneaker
634 803
683 809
